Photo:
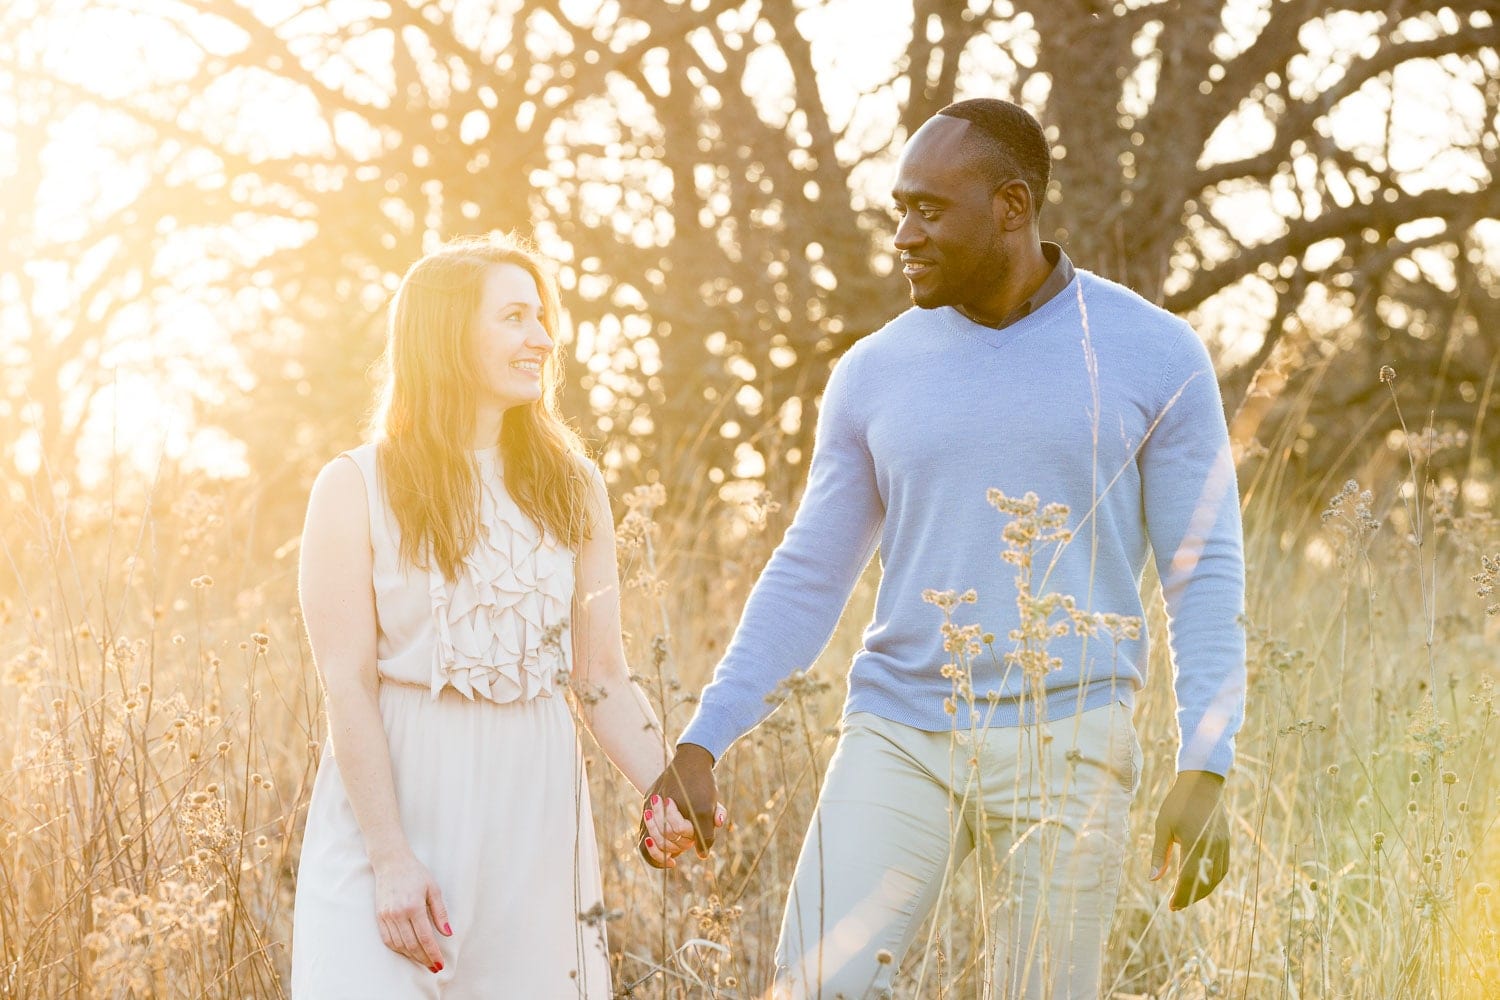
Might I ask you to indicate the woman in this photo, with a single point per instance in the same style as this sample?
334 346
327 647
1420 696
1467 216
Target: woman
455 576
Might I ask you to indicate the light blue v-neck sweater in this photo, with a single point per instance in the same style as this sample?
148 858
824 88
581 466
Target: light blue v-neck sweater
1098 400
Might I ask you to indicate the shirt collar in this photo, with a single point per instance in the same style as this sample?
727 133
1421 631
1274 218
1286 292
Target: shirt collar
1061 274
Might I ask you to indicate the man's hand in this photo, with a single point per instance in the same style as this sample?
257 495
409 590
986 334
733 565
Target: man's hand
1192 817
688 782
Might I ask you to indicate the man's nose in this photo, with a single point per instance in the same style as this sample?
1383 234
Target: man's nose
909 232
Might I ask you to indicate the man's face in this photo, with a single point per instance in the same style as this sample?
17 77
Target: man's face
950 237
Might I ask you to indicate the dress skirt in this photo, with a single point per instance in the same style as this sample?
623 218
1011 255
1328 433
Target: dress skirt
494 802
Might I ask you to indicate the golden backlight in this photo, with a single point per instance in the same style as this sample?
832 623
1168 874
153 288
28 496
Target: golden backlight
133 70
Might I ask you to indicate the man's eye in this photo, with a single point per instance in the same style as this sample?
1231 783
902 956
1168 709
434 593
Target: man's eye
929 214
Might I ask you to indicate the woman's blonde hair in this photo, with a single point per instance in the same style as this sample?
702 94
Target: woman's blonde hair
426 409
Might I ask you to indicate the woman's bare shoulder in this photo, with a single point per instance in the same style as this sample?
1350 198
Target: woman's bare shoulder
337 493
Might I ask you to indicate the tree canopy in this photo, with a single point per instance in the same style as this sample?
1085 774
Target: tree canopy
1310 182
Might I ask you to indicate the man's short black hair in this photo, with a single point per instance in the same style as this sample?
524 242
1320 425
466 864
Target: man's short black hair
1010 143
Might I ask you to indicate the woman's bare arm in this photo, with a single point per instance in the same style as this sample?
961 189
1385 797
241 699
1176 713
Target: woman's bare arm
612 706
338 607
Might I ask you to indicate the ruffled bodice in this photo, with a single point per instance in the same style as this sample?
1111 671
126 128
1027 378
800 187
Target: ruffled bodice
502 625
500 630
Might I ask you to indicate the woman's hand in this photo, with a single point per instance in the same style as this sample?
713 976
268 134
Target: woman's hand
410 911
665 832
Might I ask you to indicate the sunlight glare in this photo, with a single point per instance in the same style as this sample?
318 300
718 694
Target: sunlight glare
164 365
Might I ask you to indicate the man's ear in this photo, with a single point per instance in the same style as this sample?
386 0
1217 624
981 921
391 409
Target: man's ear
1012 205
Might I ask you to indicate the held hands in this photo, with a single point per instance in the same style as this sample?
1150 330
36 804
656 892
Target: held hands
1192 817
681 808
410 912
665 832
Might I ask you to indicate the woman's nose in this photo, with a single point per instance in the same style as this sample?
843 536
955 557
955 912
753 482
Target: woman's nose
539 338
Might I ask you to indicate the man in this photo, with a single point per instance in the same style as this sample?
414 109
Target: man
1020 373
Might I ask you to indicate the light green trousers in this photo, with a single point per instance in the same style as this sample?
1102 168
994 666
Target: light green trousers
1044 806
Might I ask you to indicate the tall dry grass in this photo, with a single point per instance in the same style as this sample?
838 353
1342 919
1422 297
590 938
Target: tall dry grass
159 724
159 718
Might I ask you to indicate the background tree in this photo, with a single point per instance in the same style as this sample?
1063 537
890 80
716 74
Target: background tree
1302 179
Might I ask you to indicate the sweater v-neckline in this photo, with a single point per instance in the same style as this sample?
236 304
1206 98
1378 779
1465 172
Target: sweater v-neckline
1009 335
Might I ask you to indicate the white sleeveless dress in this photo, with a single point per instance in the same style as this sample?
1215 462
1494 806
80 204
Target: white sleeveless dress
488 774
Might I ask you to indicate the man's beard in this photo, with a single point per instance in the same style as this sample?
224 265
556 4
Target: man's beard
935 297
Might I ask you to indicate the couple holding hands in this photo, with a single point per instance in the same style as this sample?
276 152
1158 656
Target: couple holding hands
459 572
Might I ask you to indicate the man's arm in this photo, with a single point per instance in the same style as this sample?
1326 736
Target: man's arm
1193 517
795 604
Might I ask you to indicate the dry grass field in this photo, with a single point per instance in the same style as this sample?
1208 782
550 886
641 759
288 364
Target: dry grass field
160 722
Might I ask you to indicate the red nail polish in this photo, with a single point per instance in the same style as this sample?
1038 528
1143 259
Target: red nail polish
648 813
650 842
447 930
440 967
432 969
655 799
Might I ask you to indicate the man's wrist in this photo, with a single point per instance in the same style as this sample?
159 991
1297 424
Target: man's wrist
1199 783
694 753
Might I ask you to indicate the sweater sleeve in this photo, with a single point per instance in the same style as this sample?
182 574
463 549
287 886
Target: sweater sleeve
795 604
1193 519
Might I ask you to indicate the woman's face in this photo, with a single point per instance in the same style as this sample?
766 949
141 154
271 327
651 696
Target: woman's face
507 340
